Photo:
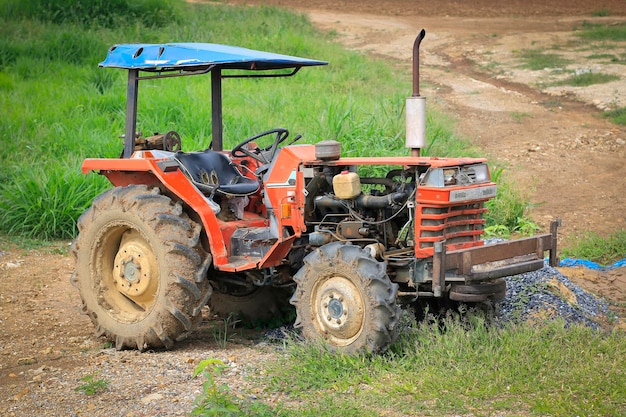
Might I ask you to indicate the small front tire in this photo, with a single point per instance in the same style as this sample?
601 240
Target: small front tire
345 299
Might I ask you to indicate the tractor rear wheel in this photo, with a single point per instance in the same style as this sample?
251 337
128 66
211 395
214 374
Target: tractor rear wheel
345 298
140 268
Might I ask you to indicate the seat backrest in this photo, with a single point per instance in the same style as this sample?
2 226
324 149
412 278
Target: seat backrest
213 172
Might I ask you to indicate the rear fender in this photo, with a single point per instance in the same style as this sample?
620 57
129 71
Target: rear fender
164 173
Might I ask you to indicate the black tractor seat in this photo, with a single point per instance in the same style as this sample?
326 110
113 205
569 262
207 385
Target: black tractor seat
213 172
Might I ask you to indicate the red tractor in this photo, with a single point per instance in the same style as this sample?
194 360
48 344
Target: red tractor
247 230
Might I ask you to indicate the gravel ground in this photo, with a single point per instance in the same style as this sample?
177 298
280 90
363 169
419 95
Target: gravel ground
139 384
161 383
548 294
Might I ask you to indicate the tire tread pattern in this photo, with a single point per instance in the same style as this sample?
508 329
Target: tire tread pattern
184 288
382 315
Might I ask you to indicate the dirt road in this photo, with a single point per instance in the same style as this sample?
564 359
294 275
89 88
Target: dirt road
551 140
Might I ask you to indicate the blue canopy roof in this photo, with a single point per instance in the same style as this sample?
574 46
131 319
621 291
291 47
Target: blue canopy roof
189 56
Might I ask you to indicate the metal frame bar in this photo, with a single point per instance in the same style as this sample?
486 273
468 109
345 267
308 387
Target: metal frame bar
131 112
216 110
518 256
216 101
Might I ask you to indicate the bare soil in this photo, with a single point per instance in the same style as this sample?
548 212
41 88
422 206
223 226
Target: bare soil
552 140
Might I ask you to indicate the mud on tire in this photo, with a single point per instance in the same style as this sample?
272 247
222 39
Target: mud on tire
345 298
140 268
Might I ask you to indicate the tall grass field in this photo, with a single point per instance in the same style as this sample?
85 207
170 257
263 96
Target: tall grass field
58 107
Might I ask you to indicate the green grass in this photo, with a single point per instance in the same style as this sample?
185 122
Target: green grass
601 249
519 116
601 13
599 32
608 58
617 116
509 211
538 59
470 368
41 203
59 107
108 13
587 79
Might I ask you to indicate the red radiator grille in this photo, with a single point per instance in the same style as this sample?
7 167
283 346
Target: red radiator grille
458 224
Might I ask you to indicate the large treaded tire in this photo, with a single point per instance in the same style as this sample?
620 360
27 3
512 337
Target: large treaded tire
345 298
140 268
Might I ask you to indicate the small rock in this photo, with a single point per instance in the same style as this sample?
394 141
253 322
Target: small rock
46 351
150 398
40 370
20 394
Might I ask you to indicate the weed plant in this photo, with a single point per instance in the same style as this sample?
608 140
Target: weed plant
92 386
216 398
601 12
508 211
224 332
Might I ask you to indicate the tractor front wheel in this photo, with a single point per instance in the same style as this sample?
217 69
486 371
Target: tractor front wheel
345 298
140 268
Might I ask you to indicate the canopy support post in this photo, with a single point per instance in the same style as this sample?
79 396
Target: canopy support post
131 112
216 109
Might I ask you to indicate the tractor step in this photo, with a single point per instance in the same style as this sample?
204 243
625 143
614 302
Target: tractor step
239 263
251 242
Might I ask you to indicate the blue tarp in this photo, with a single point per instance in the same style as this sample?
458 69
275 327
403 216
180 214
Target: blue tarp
158 57
591 265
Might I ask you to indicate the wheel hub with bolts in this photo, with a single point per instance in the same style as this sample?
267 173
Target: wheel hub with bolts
340 309
134 267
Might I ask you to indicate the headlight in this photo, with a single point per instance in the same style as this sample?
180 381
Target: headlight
463 175
433 178
449 176
481 173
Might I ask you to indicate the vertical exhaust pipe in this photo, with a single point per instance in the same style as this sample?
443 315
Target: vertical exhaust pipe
416 106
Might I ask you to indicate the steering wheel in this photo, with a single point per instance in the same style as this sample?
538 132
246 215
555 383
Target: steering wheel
266 154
